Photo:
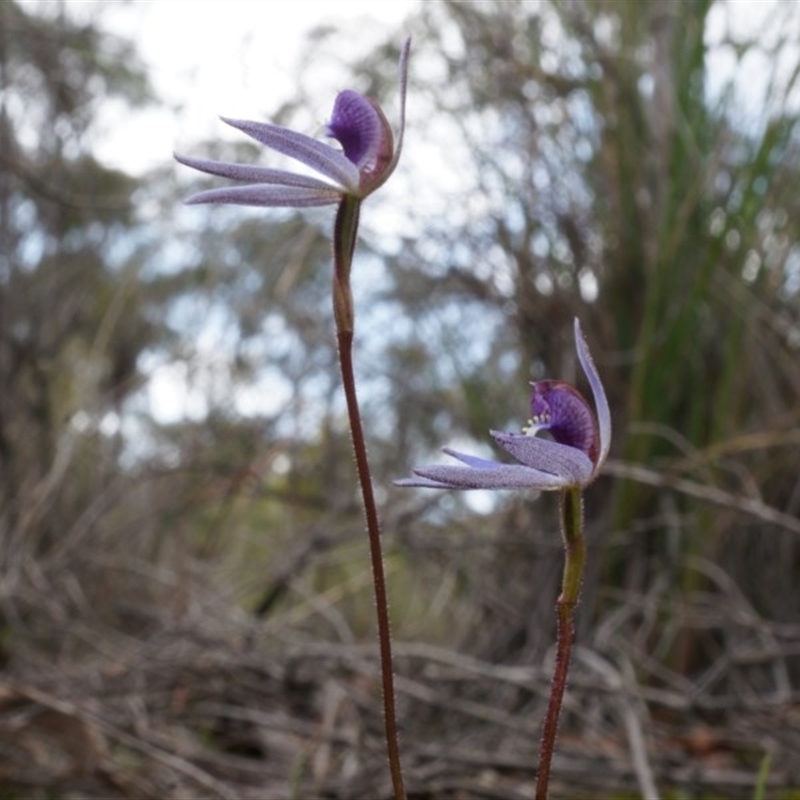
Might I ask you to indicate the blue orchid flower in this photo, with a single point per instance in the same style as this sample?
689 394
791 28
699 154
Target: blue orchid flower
580 439
366 159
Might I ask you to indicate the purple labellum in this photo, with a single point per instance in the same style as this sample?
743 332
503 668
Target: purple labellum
357 126
560 409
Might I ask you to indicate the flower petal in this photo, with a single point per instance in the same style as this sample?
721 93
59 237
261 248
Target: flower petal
382 174
315 154
600 399
572 466
403 91
562 411
359 127
419 483
501 476
252 173
472 461
264 194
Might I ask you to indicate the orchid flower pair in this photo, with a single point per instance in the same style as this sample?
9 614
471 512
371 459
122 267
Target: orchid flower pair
573 458
580 436
580 440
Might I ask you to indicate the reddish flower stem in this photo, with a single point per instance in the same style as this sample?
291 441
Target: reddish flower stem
345 231
574 561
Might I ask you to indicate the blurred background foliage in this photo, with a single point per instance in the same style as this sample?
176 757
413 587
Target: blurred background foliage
564 158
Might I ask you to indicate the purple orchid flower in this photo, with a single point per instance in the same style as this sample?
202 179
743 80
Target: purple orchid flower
573 458
366 159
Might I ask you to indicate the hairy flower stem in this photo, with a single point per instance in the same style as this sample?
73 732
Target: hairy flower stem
574 560
344 241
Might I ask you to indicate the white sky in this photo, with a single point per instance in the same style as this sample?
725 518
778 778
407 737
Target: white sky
231 57
241 58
